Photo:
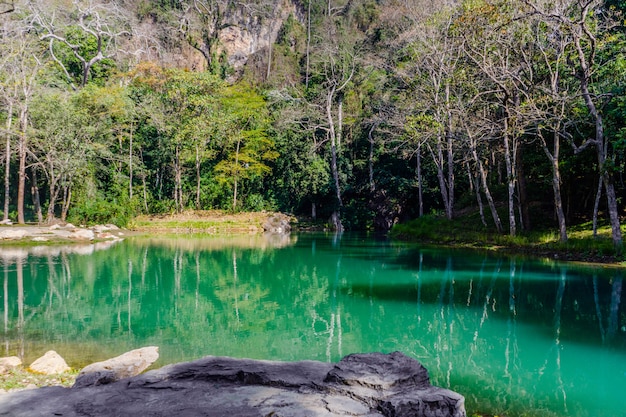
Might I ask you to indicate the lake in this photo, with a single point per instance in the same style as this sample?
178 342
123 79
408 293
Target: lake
515 336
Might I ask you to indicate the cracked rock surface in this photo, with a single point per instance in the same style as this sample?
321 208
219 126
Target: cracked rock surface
371 384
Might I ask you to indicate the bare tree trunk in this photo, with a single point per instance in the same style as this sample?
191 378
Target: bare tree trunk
35 193
67 198
308 45
7 166
370 159
475 186
450 154
333 151
197 178
236 176
178 181
130 164
53 191
420 186
443 188
21 185
522 192
558 202
485 186
269 49
143 181
596 207
510 174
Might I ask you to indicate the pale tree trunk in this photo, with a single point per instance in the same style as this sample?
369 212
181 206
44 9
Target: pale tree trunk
35 194
450 154
197 177
475 187
438 160
596 207
236 176
7 166
269 49
21 149
420 186
607 180
485 186
510 174
522 192
308 44
67 198
333 165
553 157
370 159
143 181
53 192
178 181
130 163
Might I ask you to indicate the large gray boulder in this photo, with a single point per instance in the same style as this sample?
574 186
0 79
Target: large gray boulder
367 385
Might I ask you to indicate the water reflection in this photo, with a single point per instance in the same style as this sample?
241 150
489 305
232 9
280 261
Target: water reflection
512 335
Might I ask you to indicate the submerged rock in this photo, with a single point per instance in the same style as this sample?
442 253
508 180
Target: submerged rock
365 385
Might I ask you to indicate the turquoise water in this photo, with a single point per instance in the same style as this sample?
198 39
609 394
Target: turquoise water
517 337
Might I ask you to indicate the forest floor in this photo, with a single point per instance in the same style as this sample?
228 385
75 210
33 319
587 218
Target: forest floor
467 232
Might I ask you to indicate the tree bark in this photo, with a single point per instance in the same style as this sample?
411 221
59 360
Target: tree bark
35 194
333 150
130 163
510 177
21 185
485 186
197 178
420 186
7 166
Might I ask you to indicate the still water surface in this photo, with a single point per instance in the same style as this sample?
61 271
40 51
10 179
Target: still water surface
517 337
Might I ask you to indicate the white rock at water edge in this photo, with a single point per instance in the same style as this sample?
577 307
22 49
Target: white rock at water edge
9 363
50 364
13 234
126 365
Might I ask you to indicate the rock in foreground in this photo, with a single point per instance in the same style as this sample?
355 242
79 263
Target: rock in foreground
369 385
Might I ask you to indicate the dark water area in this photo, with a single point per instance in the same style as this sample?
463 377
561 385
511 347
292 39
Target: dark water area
516 336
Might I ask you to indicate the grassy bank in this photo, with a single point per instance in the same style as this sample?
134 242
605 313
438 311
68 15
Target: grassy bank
468 231
215 222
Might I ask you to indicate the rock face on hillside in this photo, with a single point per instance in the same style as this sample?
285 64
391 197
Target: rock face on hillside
369 385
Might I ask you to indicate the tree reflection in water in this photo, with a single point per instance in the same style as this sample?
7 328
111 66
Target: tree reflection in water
513 335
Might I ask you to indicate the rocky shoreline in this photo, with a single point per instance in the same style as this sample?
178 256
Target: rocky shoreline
59 233
368 385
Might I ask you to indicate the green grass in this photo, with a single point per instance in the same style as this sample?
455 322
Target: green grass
19 378
468 231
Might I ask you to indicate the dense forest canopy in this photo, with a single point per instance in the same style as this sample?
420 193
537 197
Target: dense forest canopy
360 112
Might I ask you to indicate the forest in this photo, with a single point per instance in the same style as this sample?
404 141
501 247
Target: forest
359 113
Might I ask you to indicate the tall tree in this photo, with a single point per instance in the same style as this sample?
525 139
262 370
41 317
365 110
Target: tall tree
586 24
247 145
87 36
22 63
